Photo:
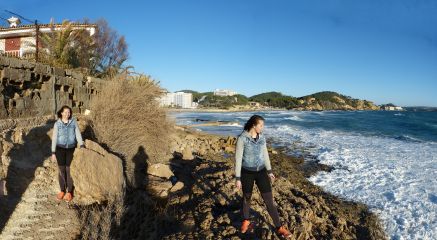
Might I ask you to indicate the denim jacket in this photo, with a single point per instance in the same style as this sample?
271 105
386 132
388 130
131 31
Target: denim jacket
66 135
251 154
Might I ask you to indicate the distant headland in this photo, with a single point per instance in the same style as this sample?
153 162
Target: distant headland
230 100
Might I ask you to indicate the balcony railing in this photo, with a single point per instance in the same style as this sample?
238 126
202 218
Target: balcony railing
14 53
18 54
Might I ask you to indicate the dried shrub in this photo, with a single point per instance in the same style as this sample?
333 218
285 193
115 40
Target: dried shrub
101 221
127 118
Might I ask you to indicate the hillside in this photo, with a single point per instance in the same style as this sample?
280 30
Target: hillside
333 101
275 99
319 101
209 100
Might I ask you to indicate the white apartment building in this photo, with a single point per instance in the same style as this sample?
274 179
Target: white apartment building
179 99
184 100
392 108
224 92
167 100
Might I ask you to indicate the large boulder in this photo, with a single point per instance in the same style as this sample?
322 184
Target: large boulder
97 174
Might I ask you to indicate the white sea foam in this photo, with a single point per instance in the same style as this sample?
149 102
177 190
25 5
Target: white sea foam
396 178
243 118
232 125
294 118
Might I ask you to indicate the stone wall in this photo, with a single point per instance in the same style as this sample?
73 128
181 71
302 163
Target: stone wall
34 89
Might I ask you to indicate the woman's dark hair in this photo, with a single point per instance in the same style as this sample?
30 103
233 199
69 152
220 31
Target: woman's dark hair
252 122
62 109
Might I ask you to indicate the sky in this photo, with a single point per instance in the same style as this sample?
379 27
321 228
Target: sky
382 51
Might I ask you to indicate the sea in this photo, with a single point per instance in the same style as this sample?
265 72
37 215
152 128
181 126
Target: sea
384 159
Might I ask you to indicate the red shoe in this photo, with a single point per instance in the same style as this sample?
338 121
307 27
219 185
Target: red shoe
60 196
246 226
283 232
68 197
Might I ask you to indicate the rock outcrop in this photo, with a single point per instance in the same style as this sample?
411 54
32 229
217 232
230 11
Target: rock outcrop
29 178
97 174
209 205
200 144
332 101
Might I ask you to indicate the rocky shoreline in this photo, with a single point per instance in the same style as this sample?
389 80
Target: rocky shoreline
191 195
208 206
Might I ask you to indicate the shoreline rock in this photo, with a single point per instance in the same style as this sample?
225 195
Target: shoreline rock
208 207
97 174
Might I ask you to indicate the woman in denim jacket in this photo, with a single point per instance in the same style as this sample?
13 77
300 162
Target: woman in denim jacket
66 135
252 165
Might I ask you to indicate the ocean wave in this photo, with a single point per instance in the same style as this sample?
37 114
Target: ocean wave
395 178
231 125
407 138
294 118
393 174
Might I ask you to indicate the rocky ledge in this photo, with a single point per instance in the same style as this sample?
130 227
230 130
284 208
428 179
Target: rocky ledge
206 204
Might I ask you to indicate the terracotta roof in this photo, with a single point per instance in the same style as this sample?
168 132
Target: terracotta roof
32 26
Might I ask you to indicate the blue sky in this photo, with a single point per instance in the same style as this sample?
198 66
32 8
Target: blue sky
382 51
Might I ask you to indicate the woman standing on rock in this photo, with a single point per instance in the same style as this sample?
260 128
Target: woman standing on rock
252 165
66 135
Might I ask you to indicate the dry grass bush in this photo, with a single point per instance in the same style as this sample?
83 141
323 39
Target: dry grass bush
101 221
127 118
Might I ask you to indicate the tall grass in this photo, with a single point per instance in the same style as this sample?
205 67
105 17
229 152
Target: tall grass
101 221
127 118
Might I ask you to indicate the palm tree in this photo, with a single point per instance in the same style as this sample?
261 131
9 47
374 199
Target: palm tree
103 55
65 46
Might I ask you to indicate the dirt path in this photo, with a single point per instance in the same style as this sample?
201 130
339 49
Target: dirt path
39 215
30 209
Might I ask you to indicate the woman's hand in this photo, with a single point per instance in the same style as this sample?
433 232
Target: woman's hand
53 157
272 177
238 185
